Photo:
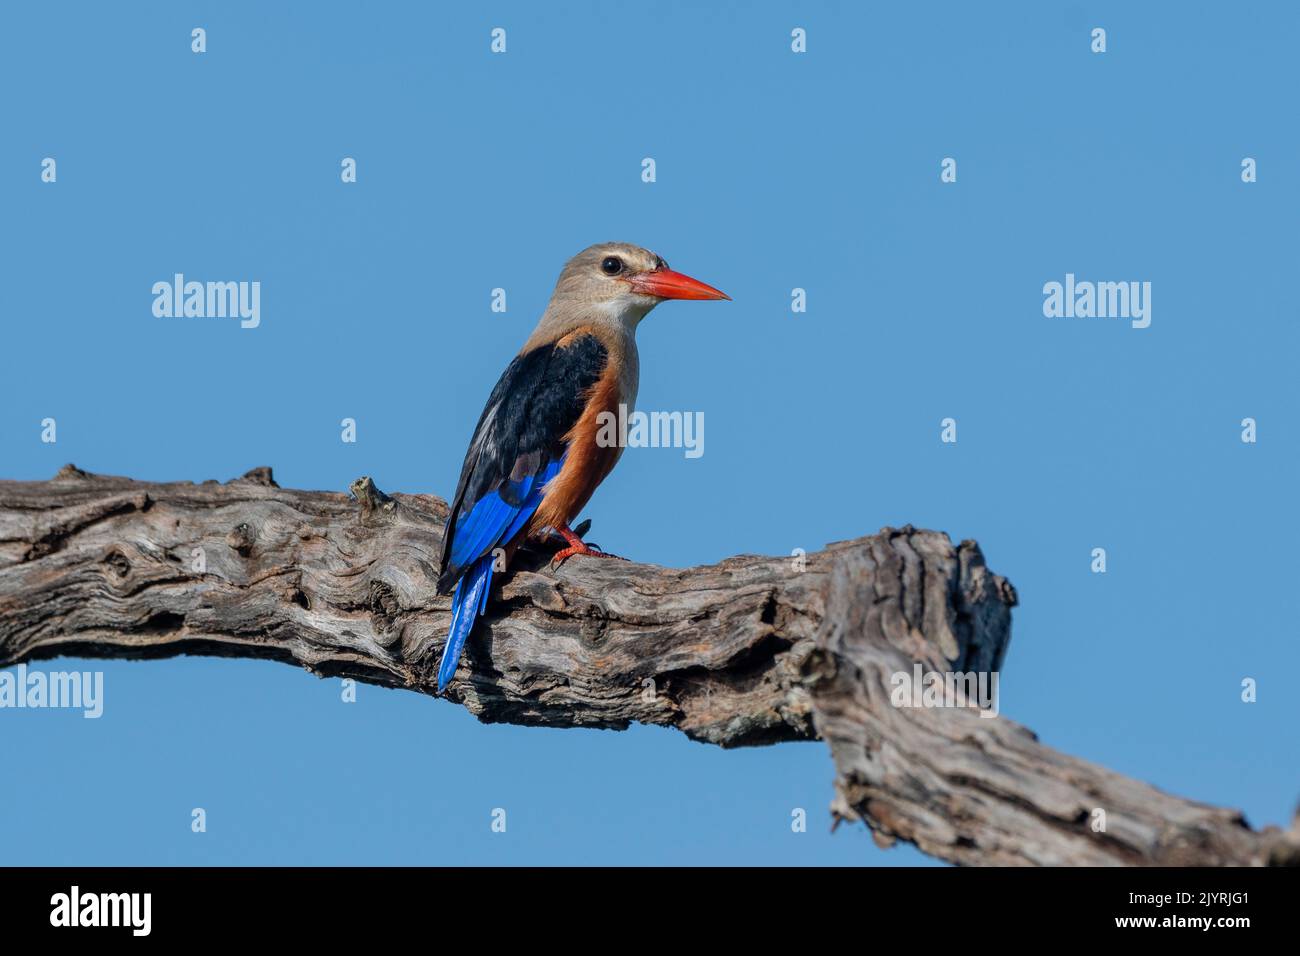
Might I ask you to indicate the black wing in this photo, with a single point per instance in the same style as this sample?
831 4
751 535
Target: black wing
517 447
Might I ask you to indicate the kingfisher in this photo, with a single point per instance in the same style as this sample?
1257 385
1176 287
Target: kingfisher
538 454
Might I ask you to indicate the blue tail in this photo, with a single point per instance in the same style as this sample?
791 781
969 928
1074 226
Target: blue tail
492 521
467 603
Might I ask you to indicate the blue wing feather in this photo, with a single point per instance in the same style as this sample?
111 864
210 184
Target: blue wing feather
489 523
480 529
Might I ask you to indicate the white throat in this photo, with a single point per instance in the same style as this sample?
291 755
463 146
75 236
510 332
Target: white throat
626 312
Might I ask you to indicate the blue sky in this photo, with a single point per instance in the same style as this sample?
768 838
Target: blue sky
775 170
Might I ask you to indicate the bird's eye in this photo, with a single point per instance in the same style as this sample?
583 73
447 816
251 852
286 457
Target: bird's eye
612 265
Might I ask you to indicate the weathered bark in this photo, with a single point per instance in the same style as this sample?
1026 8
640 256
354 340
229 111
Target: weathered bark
751 651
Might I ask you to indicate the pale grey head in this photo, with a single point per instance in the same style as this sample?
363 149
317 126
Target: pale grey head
615 284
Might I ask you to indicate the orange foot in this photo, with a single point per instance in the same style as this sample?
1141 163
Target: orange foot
578 546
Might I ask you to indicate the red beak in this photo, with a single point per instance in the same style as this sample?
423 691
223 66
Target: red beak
667 284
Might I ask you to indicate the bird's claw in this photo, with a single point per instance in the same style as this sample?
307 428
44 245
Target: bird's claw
573 537
589 550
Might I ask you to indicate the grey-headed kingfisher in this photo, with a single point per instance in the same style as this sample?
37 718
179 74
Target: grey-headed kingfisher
535 460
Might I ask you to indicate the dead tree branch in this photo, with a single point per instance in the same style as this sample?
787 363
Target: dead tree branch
754 650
